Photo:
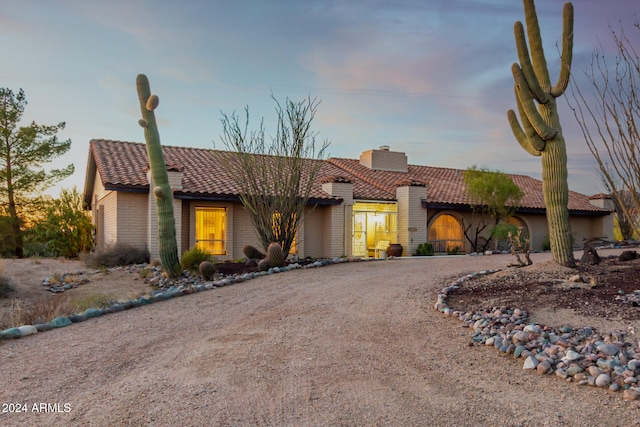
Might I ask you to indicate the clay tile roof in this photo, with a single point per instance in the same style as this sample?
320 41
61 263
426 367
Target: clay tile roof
341 179
445 186
123 165
408 182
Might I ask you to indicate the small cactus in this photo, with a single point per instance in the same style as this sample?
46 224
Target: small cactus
207 269
274 258
275 255
252 253
263 265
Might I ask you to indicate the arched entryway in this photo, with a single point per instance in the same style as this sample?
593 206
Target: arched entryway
446 234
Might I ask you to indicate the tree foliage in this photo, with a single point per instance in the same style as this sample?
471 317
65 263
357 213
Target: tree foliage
23 151
494 198
608 114
65 228
275 177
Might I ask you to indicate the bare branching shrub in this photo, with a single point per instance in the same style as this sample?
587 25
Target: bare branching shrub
117 255
275 179
520 245
607 113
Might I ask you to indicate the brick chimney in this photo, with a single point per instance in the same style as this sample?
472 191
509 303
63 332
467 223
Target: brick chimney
384 160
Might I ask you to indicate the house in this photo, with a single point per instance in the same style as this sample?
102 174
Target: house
357 206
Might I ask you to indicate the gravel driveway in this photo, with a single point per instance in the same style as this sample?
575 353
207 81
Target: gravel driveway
354 344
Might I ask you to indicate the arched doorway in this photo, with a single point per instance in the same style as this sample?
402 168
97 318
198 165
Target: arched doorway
446 234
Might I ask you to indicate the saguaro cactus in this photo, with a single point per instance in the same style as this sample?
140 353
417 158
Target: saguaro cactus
541 133
168 246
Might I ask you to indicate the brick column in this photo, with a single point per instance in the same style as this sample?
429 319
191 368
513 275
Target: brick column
412 217
339 223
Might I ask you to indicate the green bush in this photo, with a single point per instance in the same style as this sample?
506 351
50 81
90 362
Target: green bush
425 249
5 286
117 255
453 251
192 258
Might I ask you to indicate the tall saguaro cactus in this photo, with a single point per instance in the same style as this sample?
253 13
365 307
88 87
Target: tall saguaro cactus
167 242
541 133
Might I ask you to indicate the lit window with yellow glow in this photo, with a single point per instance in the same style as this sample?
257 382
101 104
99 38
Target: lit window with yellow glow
275 219
211 230
375 226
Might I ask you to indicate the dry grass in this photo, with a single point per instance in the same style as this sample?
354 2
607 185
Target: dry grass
40 311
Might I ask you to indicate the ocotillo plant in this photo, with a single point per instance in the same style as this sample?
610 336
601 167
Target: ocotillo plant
167 242
541 134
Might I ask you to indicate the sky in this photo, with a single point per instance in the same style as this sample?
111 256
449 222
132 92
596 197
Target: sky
430 78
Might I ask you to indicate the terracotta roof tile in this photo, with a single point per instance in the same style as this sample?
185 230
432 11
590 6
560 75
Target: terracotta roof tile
124 164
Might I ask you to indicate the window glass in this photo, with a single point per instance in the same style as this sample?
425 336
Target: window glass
211 230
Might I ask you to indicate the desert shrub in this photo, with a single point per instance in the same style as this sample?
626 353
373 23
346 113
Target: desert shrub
65 228
5 286
425 249
96 300
453 251
36 249
117 255
192 258
5 283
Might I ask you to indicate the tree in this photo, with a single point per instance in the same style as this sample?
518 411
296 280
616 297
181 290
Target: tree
494 198
607 117
541 133
65 228
23 151
275 179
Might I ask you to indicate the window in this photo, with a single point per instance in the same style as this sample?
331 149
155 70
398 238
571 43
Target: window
276 221
375 226
445 234
211 230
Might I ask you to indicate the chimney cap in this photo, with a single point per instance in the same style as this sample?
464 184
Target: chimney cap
384 148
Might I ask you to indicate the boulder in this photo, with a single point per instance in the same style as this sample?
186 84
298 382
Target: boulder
590 256
628 256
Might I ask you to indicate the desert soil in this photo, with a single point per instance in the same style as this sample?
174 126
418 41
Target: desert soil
347 344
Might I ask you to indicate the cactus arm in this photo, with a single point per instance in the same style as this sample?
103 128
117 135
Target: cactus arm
534 139
567 51
521 137
525 97
167 241
535 44
527 68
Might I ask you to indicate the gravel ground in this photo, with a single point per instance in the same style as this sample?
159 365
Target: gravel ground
351 344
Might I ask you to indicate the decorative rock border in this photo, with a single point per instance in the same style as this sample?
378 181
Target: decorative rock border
186 286
583 356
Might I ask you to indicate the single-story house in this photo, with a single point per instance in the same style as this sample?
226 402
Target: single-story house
357 206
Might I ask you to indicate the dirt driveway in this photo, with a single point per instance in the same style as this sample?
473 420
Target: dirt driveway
355 344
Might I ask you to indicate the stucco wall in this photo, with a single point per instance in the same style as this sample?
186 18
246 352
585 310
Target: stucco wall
132 219
315 237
